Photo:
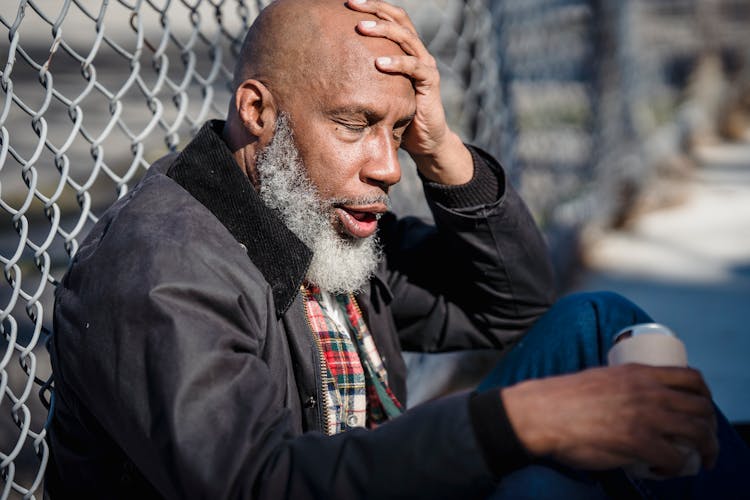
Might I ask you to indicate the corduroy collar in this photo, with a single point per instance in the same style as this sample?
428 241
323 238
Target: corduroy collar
207 170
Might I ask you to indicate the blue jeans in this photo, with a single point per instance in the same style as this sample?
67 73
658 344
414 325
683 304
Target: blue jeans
575 334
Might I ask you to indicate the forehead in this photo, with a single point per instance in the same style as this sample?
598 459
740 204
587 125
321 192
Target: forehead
347 76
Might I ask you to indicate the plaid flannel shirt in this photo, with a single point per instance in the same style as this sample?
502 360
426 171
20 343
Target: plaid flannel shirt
357 392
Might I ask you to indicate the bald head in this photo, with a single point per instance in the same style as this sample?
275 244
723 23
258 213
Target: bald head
294 42
306 61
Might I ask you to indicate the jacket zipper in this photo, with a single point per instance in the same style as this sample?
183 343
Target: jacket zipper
359 311
321 364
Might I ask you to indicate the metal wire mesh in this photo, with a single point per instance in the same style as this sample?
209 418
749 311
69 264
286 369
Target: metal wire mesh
93 90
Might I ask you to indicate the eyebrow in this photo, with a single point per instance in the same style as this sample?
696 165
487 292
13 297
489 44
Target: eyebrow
369 114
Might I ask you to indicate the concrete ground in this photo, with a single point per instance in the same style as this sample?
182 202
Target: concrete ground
688 265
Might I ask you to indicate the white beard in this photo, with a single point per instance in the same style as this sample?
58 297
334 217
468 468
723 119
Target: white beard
339 265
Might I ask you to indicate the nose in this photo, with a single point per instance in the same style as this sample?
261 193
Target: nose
383 168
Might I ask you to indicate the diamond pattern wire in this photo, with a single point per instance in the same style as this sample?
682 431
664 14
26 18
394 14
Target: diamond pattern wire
94 90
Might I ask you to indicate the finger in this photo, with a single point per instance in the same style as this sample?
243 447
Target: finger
407 39
685 432
422 72
707 462
699 433
686 379
686 391
383 10
686 403
663 457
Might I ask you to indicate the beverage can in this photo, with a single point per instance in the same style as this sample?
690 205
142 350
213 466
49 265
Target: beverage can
657 345
649 344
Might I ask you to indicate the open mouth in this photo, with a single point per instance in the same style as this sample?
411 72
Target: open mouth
360 222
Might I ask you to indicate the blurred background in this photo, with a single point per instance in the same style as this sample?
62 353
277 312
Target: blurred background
625 125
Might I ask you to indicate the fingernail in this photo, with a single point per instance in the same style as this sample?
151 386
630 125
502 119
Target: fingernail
359 1
368 24
384 61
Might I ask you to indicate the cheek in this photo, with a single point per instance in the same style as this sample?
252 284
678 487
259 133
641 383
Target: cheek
333 166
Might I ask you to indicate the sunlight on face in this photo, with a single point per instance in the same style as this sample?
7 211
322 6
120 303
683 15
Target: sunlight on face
340 264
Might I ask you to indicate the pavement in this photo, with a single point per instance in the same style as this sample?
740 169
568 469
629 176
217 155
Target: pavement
688 265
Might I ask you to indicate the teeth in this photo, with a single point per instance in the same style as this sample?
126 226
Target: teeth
362 215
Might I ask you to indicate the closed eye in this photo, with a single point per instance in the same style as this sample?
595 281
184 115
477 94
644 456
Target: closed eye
355 127
352 126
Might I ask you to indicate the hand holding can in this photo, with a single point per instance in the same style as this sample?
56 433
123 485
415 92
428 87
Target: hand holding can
653 344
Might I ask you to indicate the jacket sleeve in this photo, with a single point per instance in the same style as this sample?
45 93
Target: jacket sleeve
156 343
479 277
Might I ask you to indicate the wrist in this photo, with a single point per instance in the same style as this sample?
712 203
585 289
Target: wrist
450 163
524 411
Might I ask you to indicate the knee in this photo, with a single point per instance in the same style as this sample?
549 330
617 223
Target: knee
607 311
614 304
599 301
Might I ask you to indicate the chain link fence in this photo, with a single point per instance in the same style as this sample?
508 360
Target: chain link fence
573 96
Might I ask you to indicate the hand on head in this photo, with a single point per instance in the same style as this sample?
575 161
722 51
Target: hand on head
604 418
438 152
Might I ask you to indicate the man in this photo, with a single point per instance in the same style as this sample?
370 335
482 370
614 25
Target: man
233 326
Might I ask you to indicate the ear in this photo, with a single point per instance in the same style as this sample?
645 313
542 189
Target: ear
256 109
